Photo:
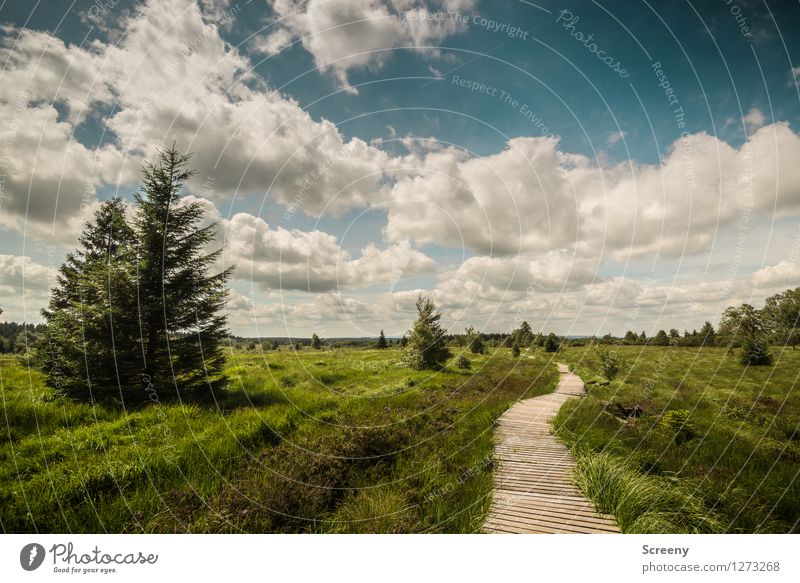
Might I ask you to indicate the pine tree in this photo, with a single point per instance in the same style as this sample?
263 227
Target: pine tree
515 350
91 350
403 341
754 352
426 349
551 343
181 304
707 334
382 341
316 343
475 341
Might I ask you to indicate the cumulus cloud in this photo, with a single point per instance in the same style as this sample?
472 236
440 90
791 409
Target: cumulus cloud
533 197
754 119
290 259
349 35
783 274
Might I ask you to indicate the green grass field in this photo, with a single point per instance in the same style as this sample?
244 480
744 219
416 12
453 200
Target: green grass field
716 447
313 441
349 440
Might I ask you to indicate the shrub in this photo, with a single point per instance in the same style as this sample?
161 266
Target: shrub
515 350
678 421
754 353
610 362
551 343
463 362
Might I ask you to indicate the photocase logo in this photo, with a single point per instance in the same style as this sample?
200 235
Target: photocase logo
31 556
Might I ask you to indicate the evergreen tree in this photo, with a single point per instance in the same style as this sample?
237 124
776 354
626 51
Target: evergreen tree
661 338
475 341
707 334
316 343
515 350
91 351
551 343
181 321
426 349
382 341
275 345
754 352
403 341
523 335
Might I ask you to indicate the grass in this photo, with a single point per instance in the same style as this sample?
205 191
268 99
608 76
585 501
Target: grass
311 441
716 447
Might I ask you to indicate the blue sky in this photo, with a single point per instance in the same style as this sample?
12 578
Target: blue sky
357 153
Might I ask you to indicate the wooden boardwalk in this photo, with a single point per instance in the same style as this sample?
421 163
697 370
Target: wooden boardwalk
533 491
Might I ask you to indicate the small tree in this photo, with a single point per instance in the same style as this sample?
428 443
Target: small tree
275 345
631 337
515 350
707 334
426 348
551 343
403 341
382 341
610 362
463 362
475 341
523 335
316 343
298 346
661 338
754 352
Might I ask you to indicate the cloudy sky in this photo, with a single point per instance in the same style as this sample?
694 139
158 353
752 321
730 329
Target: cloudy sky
587 166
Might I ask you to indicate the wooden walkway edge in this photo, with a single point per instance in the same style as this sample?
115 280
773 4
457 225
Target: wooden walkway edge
533 491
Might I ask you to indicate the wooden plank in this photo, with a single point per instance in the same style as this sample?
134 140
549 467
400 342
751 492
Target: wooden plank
533 489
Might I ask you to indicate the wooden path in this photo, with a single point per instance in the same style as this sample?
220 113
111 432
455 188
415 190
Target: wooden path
533 491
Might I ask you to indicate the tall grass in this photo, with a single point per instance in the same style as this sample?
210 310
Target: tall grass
313 441
715 447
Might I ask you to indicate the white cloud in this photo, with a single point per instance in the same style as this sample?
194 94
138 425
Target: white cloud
615 137
349 35
284 259
783 274
754 119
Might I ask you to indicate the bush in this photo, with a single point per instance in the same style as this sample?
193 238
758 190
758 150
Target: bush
610 362
678 421
551 343
754 353
463 362
515 350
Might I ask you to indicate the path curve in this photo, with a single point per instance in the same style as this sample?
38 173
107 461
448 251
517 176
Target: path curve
533 491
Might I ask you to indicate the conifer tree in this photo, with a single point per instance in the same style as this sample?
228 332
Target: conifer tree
316 343
181 303
426 349
91 350
382 341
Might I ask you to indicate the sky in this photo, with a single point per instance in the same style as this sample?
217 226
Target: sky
590 167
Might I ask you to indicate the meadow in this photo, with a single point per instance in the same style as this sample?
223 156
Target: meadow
336 440
688 440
